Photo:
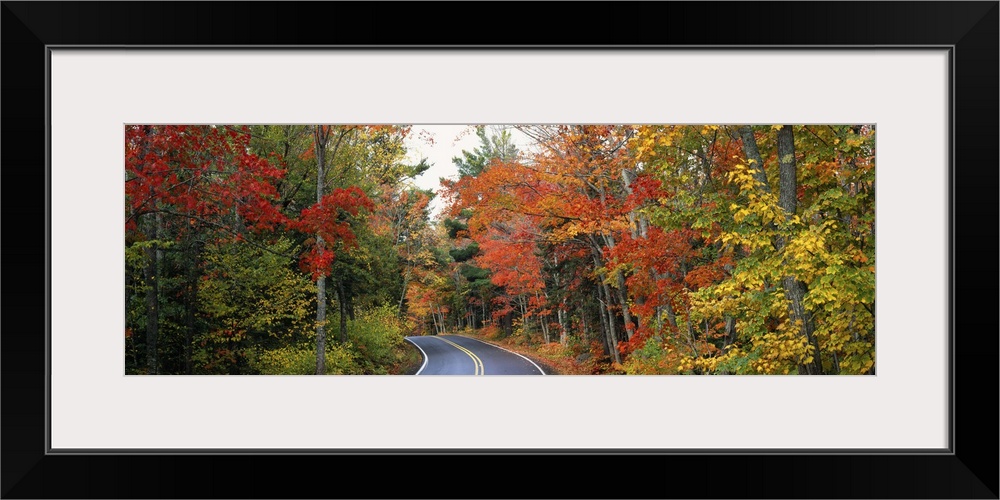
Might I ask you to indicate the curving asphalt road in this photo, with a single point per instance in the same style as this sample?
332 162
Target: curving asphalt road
457 355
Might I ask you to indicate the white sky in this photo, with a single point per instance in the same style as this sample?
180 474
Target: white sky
449 141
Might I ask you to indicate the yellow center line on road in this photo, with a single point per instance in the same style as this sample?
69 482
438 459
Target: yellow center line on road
480 369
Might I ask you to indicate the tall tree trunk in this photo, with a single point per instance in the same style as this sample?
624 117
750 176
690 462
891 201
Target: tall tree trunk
152 295
602 315
657 323
484 313
348 301
561 315
671 316
320 322
342 302
524 311
622 292
639 228
402 296
612 334
443 320
795 290
730 330
692 336
753 156
319 142
561 307
130 339
191 306
542 321
787 194
634 217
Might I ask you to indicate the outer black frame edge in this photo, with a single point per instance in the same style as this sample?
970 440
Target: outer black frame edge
975 177
968 470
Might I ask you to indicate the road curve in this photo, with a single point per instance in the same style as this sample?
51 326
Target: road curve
457 355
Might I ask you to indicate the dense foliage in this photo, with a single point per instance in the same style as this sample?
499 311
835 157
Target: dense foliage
616 248
231 232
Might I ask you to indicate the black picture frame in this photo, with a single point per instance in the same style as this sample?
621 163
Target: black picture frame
969 29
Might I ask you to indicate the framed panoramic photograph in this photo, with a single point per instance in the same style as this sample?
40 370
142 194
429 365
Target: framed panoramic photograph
561 249
335 248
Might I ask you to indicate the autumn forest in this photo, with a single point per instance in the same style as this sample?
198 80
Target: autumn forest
588 249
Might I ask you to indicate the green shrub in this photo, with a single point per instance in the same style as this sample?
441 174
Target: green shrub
650 359
374 336
300 359
372 348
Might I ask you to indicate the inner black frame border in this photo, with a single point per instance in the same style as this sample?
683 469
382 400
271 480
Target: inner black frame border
968 30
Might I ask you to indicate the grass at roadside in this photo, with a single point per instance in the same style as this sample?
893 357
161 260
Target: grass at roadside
408 360
554 358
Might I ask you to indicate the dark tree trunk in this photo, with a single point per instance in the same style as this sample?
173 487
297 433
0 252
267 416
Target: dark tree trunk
188 338
152 299
508 324
605 336
692 333
622 293
130 339
320 323
342 300
671 317
795 290
787 195
730 330
612 334
350 305
753 156
190 305
402 297
319 142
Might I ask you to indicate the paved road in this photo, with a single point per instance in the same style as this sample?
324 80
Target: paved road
456 355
